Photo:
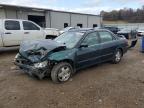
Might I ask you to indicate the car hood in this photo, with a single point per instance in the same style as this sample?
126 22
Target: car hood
142 31
36 51
123 32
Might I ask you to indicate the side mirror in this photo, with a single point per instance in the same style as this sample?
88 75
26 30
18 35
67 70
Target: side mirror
83 45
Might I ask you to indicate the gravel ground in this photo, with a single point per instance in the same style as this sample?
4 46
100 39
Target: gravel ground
102 86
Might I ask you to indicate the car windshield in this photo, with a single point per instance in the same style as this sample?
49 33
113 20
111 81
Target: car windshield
69 39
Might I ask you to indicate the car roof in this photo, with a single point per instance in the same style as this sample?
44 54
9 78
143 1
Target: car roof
84 30
81 29
110 27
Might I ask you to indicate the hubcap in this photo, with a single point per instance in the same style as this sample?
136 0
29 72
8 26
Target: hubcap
64 73
118 56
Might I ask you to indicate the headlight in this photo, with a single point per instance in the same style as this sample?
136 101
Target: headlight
41 65
17 56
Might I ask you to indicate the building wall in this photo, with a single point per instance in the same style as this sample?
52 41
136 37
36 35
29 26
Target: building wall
36 13
93 20
2 13
22 15
78 19
58 19
53 19
48 19
11 13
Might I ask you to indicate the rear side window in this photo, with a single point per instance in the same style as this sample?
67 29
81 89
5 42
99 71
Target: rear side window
105 36
30 26
91 39
12 25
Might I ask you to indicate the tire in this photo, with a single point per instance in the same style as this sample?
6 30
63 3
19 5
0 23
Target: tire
61 72
117 56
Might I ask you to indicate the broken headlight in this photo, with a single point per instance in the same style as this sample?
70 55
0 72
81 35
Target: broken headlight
40 65
17 56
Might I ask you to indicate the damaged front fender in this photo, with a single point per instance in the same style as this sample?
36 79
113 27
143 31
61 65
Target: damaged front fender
37 58
63 55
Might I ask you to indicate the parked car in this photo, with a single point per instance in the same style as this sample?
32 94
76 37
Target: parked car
14 31
112 29
52 33
71 51
67 29
140 32
126 32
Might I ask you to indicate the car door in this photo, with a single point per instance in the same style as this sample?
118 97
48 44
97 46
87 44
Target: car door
108 45
31 31
89 55
12 34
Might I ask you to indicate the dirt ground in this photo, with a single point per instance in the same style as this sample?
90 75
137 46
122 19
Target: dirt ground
102 86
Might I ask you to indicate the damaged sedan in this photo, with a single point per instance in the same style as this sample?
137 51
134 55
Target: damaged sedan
62 57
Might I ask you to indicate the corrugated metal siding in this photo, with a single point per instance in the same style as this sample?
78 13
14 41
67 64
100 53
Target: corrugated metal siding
11 14
48 19
58 19
54 19
22 15
36 13
2 14
78 19
93 20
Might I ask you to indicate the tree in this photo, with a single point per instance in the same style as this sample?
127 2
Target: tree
126 14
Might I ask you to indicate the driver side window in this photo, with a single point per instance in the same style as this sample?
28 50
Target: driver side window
91 39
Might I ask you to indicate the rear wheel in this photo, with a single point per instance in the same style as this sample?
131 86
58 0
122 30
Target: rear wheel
117 57
61 72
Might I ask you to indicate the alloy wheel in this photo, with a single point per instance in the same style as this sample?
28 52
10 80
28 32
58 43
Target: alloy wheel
64 73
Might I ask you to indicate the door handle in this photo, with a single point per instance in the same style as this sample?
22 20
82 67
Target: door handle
26 32
8 33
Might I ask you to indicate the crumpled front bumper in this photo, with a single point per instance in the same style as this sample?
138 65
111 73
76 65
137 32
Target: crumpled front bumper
32 71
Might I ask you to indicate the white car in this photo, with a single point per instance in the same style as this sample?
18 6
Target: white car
125 32
67 29
53 32
14 31
140 32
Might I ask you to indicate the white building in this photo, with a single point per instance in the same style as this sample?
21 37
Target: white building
50 18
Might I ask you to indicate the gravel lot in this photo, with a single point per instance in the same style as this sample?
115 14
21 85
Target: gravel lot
102 86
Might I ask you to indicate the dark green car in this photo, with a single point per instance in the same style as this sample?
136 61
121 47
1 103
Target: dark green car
62 57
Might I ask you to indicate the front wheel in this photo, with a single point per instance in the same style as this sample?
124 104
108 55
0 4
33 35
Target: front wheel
117 57
61 72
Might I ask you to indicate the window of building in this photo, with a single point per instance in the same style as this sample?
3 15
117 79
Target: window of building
80 25
95 25
105 36
30 26
12 25
66 25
